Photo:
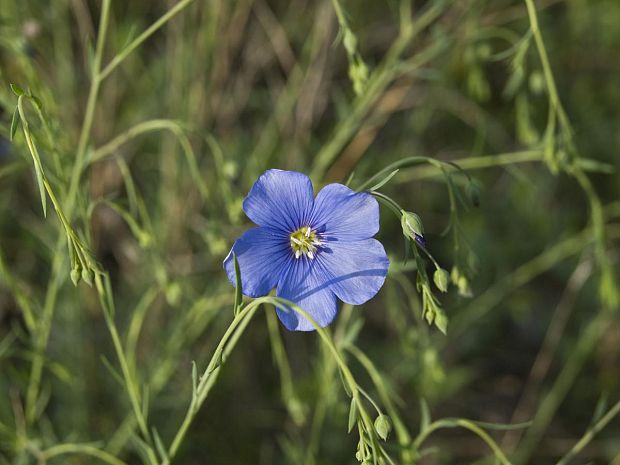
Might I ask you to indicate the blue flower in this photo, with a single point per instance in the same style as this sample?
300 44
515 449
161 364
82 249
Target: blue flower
311 249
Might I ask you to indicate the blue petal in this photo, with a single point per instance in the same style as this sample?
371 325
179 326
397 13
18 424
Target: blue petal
306 284
343 214
280 199
262 254
357 269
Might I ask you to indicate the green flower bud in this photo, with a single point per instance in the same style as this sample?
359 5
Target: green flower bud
349 41
75 275
173 293
383 426
441 279
412 225
87 276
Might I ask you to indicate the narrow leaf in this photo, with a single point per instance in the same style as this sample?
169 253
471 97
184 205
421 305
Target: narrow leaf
383 182
425 415
238 289
37 101
194 381
39 173
115 374
17 90
159 446
14 123
352 415
345 385
217 363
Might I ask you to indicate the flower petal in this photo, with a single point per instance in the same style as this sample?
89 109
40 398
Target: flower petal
262 254
358 269
280 199
305 284
344 214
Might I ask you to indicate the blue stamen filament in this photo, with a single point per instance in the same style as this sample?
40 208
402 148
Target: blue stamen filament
304 241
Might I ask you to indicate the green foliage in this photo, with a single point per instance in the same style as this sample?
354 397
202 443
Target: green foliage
144 124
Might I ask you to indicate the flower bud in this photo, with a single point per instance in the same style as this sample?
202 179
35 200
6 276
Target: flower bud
383 426
75 275
87 276
441 279
412 226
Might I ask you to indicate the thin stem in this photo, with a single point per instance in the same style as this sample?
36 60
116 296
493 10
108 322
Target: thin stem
593 431
56 280
461 423
234 331
120 57
82 449
377 83
90 109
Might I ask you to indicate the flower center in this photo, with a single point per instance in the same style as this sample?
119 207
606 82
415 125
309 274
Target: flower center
304 242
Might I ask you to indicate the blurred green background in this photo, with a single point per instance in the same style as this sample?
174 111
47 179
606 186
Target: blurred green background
229 88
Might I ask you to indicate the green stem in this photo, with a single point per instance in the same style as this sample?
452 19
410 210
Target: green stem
461 423
43 330
402 433
585 440
83 449
120 57
376 85
551 402
207 380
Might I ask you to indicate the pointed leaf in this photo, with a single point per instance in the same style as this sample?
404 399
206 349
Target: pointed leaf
17 90
14 124
352 415
159 446
383 182
425 415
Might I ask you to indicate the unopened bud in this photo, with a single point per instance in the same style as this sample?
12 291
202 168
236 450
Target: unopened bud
412 226
441 279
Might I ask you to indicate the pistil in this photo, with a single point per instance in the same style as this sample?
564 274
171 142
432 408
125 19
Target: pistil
304 241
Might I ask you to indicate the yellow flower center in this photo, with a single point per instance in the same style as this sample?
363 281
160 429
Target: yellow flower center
304 242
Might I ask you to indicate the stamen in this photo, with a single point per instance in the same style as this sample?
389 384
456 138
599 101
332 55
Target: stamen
304 241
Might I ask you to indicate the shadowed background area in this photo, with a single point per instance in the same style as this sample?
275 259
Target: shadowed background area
147 165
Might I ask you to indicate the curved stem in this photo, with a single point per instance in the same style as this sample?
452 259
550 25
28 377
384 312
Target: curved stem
583 442
44 326
118 59
83 449
461 423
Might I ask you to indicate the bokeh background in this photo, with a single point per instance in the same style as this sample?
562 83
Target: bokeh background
228 88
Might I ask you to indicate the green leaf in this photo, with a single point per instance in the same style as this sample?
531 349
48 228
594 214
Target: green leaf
352 415
17 90
14 123
194 381
345 385
238 289
218 361
385 180
39 173
425 415
159 446
383 426
37 102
